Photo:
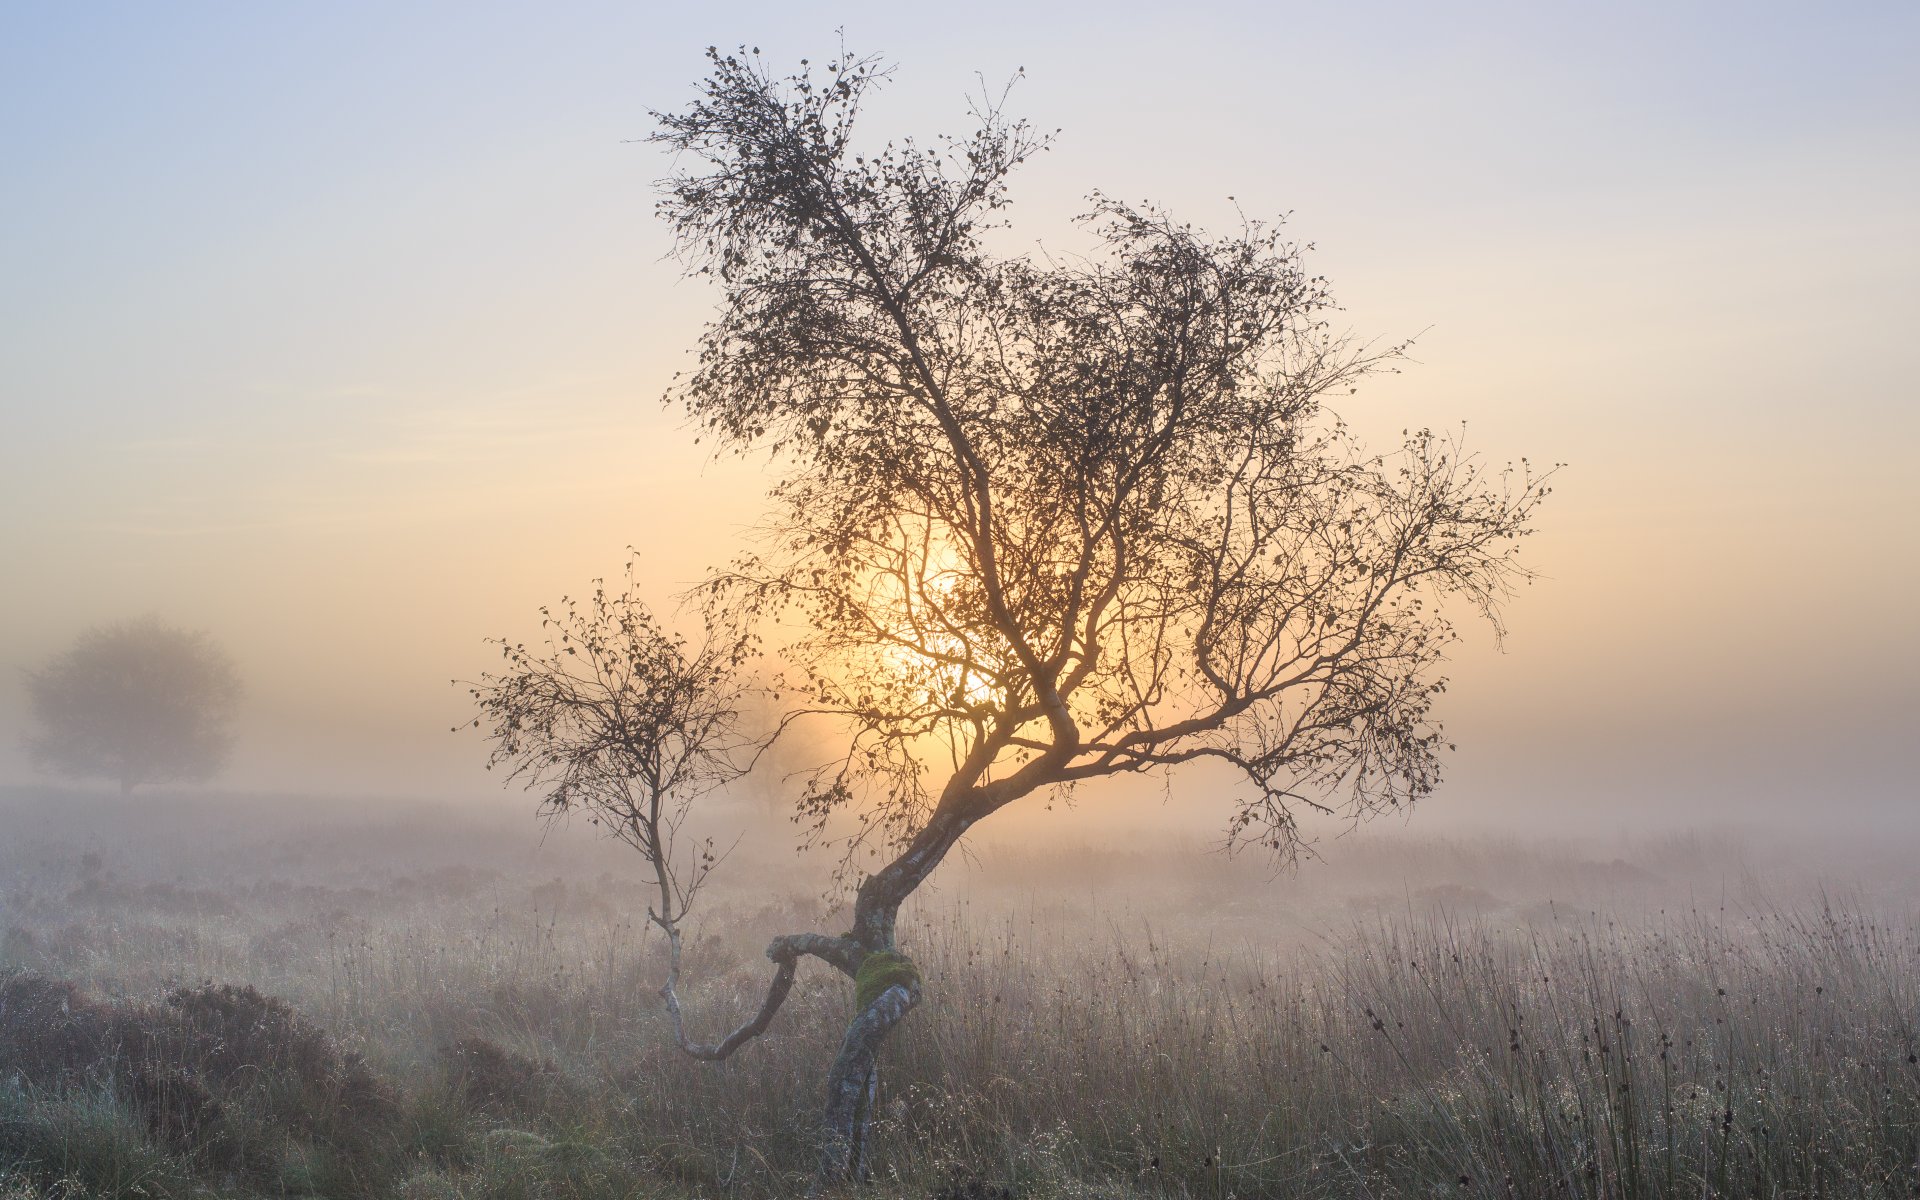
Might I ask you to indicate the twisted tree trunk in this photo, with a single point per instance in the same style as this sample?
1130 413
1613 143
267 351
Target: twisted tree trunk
853 1082
887 988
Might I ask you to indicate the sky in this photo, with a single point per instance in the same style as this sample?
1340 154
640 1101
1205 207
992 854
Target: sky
339 331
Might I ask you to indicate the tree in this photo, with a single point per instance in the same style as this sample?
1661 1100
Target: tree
1044 522
135 702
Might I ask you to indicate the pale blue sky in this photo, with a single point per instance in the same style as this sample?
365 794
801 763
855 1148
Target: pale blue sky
338 330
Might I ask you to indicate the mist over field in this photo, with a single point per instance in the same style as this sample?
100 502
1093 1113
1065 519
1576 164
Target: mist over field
988 604
346 346
1132 1017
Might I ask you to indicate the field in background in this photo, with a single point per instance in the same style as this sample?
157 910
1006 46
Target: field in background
1702 1016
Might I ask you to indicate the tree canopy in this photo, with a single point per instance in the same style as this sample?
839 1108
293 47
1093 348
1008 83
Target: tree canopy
135 702
1057 520
1033 522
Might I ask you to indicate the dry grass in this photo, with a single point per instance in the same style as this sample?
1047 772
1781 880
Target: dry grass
1471 1019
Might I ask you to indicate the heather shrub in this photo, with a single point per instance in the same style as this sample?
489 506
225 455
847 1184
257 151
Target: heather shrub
50 1033
218 1075
491 1079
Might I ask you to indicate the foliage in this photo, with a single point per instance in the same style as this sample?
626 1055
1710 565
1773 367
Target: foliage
219 1075
136 702
1046 521
1038 522
622 721
488 1077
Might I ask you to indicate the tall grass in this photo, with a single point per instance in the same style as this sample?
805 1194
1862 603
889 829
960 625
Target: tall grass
1128 1039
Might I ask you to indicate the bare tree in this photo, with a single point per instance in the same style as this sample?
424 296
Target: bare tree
135 702
627 724
1039 522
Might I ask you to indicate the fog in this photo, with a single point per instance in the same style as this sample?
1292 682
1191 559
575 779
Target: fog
336 338
347 350
185 857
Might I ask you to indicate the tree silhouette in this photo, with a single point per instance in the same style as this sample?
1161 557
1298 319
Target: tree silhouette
135 702
1042 522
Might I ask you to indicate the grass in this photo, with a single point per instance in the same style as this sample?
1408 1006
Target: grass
1467 1019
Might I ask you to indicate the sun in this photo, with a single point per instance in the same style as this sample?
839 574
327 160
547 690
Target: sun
925 601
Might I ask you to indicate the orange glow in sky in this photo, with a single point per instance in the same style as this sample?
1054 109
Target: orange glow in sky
339 332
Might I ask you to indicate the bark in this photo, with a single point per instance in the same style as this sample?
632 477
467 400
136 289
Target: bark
785 952
852 1083
843 953
853 1079
882 893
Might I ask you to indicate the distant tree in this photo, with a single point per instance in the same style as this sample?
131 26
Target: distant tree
1037 522
136 702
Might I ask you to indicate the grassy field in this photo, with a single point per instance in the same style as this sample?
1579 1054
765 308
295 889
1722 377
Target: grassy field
224 996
